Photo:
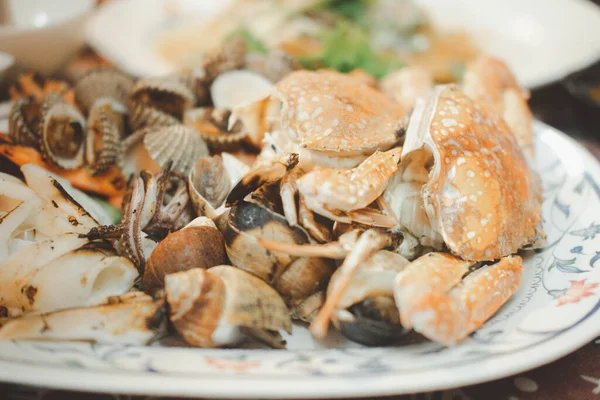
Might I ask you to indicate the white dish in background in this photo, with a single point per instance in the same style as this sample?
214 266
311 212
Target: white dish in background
542 40
43 34
6 61
554 312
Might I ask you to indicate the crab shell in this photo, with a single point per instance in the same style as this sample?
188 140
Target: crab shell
481 195
489 80
102 84
103 142
23 122
62 133
211 180
209 306
338 115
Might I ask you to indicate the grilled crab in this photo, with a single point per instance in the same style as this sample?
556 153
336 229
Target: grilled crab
479 197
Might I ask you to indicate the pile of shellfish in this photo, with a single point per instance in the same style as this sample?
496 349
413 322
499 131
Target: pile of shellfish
257 197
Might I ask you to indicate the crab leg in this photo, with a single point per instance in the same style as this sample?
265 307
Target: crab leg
368 244
336 250
435 300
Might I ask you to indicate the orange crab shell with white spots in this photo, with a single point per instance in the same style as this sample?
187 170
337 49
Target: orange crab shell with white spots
489 80
333 112
481 195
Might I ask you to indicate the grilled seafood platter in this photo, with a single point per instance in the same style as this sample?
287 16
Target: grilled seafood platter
236 202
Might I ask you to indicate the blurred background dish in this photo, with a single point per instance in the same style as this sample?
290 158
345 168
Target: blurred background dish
43 34
541 40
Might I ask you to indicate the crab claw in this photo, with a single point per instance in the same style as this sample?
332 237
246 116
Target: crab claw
435 300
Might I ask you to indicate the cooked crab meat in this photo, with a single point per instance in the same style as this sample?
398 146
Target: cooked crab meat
435 300
488 80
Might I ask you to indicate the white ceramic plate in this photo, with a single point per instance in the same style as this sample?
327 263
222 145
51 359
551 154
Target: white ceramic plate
542 40
555 311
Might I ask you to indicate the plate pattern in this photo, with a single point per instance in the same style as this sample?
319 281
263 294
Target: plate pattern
560 293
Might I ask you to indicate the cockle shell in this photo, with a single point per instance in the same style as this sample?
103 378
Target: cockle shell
62 133
211 180
336 114
169 95
142 116
481 195
103 142
212 125
24 121
134 323
100 85
198 245
208 307
178 143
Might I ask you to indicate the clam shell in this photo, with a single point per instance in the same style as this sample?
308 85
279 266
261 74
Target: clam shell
198 245
249 222
102 83
234 88
103 141
170 95
63 147
211 180
177 143
23 122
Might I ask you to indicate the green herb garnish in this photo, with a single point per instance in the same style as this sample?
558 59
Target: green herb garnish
353 10
346 48
254 44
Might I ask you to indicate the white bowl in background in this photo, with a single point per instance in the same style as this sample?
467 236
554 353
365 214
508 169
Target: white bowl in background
542 40
43 34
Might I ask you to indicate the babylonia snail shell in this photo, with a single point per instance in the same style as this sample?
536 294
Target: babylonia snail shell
209 307
197 245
